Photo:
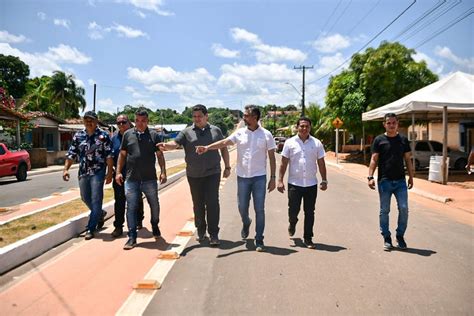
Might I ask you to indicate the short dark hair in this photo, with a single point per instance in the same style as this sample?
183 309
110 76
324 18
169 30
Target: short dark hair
390 115
200 107
254 110
303 118
141 112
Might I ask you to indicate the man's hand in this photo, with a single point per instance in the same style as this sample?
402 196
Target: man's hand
161 146
372 184
109 177
66 175
163 178
323 186
281 187
410 183
201 150
271 185
226 172
119 179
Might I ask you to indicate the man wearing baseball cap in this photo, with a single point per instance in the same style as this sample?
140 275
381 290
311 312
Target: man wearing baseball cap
93 149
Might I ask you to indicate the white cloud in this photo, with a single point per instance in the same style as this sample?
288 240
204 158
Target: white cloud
66 54
45 63
331 43
220 51
126 31
434 65
10 38
270 54
465 63
91 82
140 14
329 63
135 93
241 35
150 5
96 31
62 22
105 102
41 16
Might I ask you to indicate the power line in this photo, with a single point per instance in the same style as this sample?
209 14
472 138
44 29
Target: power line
364 17
340 16
429 22
446 27
419 19
367 44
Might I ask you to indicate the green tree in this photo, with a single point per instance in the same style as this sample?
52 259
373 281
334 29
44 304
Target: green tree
68 98
321 127
13 75
106 117
37 97
374 78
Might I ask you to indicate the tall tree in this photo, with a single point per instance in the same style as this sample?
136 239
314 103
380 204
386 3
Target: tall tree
13 75
67 96
37 97
375 78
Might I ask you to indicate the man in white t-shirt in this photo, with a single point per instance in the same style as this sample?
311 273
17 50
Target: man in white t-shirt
304 154
254 143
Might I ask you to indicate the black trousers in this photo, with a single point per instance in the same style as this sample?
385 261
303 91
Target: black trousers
119 205
308 195
205 195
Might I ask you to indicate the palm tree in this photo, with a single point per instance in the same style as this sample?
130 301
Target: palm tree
37 96
66 95
321 122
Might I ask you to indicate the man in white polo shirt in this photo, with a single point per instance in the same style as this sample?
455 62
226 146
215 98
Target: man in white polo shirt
254 143
304 154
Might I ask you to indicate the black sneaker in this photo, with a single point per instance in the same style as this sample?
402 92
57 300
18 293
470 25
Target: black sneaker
387 245
291 229
89 235
156 232
118 231
401 242
101 222
201 237
309 243
130 244
214 242
245 230
259 246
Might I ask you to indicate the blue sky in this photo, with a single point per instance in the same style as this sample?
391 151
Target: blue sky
172 54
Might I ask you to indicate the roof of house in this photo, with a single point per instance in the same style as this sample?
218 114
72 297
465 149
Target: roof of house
7 113
35 114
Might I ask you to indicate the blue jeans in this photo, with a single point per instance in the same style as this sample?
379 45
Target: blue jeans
256 187
399 189
92 193
133 193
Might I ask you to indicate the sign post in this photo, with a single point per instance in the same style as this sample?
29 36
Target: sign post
337 123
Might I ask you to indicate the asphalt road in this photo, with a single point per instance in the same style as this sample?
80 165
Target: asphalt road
13 192
347 273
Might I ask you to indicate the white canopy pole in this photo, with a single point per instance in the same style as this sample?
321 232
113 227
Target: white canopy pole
444 167
413 140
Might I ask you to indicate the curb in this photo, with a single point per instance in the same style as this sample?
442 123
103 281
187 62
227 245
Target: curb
428 195
35 172
13 255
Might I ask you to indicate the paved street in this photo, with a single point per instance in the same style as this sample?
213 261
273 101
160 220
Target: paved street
347 273
13 192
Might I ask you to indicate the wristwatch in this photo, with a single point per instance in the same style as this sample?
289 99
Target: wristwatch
324 181
370 178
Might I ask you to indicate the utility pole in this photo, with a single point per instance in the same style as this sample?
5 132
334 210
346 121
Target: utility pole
95 88
302 94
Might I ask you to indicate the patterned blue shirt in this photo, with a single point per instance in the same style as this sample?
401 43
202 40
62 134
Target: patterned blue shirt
91 151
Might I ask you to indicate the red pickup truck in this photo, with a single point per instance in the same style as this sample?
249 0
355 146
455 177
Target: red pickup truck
14 163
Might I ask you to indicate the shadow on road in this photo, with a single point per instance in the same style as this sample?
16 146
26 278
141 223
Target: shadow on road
10 181
250 246
319 246
420 252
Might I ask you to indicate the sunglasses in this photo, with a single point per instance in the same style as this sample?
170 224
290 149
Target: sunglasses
122 122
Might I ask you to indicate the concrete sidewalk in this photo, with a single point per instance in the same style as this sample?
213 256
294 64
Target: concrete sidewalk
452 195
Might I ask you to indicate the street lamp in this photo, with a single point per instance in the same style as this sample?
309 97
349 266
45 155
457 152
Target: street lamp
301 94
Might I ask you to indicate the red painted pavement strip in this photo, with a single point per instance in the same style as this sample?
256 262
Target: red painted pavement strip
97 276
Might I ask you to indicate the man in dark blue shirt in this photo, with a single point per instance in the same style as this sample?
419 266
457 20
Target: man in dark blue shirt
123 124
93 148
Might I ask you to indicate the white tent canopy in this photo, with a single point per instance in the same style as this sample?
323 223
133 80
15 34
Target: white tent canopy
456 92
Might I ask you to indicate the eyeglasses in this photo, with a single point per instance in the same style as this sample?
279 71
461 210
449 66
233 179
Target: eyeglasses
122 122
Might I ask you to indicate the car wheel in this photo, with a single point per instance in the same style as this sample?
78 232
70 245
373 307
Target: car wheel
460 164
21 173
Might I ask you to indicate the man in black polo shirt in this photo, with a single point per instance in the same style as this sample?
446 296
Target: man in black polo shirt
203 171
389 151
138 150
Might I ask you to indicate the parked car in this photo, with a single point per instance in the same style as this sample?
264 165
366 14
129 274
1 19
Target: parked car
280 141
424 149
14 163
